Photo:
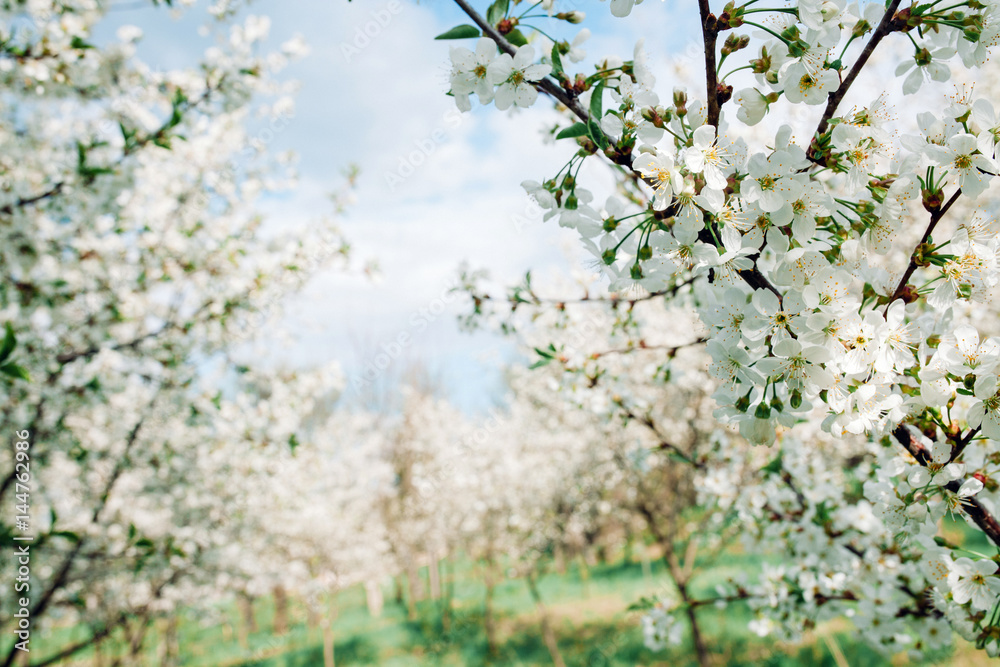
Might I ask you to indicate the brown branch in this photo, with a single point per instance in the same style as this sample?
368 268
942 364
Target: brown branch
545 85
936 215
710 34
888 24
753 277
641 345
662 443
28 201
975 509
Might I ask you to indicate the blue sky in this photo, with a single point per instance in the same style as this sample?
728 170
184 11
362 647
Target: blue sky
373 104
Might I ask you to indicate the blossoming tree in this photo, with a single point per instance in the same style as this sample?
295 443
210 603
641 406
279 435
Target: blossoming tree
841 265
133 271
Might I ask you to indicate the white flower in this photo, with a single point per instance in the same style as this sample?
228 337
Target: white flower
753 105
515 77
767 184
961 153
801 85
704 156
986 411
974 581
930 67
469 73
666 178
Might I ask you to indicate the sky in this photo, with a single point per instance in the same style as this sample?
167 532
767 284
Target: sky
437 188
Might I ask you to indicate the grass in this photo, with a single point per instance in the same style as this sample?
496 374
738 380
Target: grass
590 613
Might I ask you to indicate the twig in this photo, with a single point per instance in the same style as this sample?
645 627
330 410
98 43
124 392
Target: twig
936 216
975 509
887 25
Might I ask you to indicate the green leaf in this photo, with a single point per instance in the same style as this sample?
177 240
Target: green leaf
68 534
596 133
497 11
78 43
293 442
9 341
596 102
544 353
774 467
15 371
516 37
460 32
574 130
557 65
642 604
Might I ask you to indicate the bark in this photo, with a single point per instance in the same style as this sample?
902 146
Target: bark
328 636
585 576
398 582
411 602
548 634
170 647
434 577
489 622
249 624
280 625
374 598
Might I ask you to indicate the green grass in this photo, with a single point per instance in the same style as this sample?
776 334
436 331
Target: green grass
589 611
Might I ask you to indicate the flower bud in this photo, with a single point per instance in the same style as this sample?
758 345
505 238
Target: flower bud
796 399
572 17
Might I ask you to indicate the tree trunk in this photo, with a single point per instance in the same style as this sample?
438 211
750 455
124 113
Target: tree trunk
98 655
249 618
434 577
416 583
701 651
398 581
328 657
280 625
680 578
448 593
328 645
169 648
374 598
489 622
585 576
411 602
548 634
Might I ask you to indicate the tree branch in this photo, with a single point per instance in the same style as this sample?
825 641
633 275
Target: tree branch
753 277
936 216
710 35
545 85
975 509
887 25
